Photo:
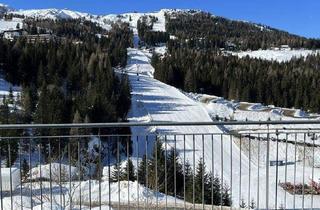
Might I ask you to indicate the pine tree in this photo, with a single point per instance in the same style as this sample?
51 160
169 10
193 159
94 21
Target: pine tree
129 171
117 173
226 199
189 182
174 168
76 132
202 181
142 171
157 165
25 169
215 189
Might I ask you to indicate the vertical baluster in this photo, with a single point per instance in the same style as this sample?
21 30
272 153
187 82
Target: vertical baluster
60 172
156 169
267 168
249 184
240 170
80 173
50 173
90 202
137 156
303 169
165 170
40 171
70 178
194 171
295 171
286 172
313 148
129 170
175 170
10 172
1 193
277 169
231 174
203 172
147 163
213 175
20 166
30 175
184 171
221 197
258 185
118 170
109 172
99 167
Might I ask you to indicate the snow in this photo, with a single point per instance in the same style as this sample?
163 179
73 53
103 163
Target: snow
10 179
105 20
47 206
160 50
55 168
52 14
16 201
138 193
5 88
10 24
164 103
158 102
282 55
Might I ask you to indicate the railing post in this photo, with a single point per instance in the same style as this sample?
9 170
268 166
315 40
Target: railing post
267 169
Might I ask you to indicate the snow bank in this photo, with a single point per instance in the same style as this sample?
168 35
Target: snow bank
66 171
138 193
47 206
16 203
15 178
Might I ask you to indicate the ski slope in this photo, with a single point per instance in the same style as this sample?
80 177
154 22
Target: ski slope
154 101
281 55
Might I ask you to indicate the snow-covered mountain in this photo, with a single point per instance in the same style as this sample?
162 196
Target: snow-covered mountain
4 8
53 14
103 20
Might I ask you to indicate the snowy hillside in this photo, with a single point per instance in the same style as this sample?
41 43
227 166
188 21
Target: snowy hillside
4 8
53 14
281 55
104 20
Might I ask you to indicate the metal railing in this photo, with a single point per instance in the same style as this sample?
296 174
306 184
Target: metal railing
201 165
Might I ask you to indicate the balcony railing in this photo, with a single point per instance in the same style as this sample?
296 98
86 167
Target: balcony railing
161 165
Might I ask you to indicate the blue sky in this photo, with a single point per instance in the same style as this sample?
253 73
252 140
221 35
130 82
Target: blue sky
295 16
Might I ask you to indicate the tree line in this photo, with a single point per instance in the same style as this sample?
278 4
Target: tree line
288 84
165 172
65 82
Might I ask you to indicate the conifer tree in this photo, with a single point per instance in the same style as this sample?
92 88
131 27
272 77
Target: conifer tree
117 173
142 171
174 173
129 171
157 165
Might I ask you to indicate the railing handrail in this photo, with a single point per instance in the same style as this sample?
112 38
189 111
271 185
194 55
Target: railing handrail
161 123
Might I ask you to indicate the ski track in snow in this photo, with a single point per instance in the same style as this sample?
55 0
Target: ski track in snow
155 101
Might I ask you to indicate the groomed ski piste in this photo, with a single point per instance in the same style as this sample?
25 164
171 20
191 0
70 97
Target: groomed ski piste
154 101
